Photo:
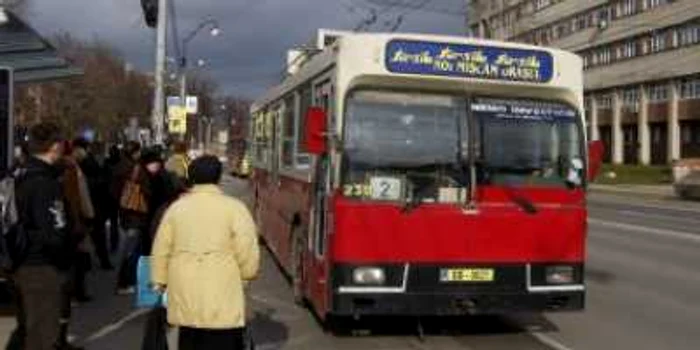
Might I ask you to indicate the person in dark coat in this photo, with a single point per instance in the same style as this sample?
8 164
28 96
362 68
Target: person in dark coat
134 168
112 202
99 194
164 186
40 275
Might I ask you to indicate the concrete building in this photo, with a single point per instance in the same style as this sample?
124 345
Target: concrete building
642 65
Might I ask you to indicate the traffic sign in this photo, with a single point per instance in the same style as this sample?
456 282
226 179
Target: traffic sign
173 101
177 120
192 104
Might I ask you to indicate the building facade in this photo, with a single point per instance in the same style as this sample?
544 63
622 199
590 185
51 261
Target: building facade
641 61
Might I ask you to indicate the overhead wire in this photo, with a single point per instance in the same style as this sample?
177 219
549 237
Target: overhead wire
399 20
419 7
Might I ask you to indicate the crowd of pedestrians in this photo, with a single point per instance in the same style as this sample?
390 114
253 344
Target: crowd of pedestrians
77 203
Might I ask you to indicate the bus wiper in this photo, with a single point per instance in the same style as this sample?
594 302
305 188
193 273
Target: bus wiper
525 204
522 201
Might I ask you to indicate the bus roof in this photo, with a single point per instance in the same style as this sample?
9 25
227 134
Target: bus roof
415 54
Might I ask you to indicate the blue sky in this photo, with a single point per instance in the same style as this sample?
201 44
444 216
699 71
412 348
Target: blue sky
256 33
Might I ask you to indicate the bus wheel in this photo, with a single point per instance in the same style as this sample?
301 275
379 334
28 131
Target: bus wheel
297 271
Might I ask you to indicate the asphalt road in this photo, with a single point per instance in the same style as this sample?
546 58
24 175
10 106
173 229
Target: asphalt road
643 289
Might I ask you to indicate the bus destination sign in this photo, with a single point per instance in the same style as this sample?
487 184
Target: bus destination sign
470 61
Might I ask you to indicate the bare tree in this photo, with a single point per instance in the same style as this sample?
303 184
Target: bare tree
107 96
17 6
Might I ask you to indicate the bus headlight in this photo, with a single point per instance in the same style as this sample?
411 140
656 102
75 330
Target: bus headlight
559 274
368 275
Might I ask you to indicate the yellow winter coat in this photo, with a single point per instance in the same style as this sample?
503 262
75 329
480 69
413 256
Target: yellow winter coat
205 249
178 164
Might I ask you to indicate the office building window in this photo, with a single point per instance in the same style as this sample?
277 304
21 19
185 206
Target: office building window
628 50
687 134
626 8
604 55
650 4
605 102
688 34
604 15
658 93
690 89
630 99
541 4
580 22
658 42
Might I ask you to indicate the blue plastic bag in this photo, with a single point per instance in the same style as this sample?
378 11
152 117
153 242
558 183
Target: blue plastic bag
146 297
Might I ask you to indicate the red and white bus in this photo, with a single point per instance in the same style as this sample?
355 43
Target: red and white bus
401 174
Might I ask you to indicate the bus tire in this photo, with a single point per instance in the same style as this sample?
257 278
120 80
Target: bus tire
297 269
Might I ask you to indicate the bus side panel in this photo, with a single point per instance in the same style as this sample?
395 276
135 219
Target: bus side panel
268 217
292 200
261 189
279 208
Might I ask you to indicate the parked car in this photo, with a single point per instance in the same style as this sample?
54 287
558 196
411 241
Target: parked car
686 178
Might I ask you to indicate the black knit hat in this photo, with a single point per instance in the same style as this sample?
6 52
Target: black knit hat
205 170
151 156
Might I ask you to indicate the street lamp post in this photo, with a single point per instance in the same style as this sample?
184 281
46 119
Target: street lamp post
158 112
214 31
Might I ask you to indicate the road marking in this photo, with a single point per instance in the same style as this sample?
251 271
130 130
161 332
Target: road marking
113 327
687 236
549 341
657 216
648 204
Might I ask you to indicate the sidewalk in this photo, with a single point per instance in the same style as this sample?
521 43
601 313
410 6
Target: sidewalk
657 191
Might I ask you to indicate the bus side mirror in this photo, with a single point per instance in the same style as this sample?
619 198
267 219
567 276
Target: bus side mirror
595 158
315 133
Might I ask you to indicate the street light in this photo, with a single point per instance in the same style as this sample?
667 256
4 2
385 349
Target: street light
214 31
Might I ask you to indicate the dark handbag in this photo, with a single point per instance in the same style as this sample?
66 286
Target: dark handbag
155 335
132 197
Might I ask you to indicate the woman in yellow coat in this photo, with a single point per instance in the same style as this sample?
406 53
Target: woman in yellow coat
205 250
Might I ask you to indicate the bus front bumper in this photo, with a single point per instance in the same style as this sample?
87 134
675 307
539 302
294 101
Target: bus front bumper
424 304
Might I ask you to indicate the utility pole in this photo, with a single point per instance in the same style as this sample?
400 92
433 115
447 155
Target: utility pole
158 113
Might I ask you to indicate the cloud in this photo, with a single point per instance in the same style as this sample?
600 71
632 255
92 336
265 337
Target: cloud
249 55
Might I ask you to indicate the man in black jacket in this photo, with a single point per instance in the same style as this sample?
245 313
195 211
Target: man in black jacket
39 276
99 192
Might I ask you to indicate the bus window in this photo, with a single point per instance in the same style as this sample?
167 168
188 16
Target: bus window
321 188
527 142
401 146
288 132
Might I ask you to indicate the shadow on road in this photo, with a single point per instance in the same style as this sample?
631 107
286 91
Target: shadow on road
444 326
267 332
600 276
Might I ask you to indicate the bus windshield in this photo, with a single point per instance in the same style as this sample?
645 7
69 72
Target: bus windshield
411 140
528 143
417 145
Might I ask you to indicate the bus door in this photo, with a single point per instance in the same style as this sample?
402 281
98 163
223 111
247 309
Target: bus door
318 268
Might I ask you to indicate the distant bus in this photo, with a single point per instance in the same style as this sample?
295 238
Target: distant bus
402 174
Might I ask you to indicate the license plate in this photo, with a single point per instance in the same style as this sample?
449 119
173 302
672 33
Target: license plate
467 275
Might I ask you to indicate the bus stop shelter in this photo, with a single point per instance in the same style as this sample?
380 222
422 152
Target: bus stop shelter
33 60
30 55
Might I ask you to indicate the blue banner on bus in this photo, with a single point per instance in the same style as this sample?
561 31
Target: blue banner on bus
471 61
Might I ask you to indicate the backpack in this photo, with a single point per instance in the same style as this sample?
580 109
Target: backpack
14 240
